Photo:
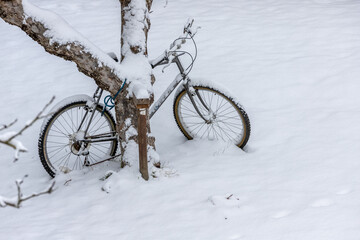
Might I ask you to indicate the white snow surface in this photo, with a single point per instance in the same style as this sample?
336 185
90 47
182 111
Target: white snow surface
292 64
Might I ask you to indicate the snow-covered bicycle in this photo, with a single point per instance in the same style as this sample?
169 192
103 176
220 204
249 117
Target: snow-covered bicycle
82 133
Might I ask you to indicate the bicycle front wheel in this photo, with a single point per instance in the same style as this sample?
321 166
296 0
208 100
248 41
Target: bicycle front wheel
226 120
58 149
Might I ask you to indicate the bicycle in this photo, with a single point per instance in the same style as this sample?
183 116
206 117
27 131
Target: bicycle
82 133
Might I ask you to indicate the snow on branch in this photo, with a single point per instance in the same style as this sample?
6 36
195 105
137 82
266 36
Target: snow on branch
16 201
60 39
8 138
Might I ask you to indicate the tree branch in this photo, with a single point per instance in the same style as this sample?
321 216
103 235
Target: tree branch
5 126
9 138
37 117
16 202
73 47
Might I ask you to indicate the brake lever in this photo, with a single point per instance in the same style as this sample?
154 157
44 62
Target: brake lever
180 54
166 66
171 61
188 25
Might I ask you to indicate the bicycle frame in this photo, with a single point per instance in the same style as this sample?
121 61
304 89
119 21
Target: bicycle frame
96 138
180 77
187 85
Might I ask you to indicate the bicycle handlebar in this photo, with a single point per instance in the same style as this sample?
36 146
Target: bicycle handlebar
188 25
164 58
188 31
155 62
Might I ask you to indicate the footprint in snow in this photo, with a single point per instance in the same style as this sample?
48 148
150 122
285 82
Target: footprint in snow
322 203
225 201
281 214
235 237
344 191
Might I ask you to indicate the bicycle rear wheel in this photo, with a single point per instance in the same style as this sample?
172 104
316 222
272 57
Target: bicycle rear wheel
228 120
58 150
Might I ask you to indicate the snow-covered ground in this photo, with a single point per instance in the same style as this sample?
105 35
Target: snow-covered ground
294 67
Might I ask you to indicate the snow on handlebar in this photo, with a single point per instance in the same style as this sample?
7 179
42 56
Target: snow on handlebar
159 59
188 25
189 32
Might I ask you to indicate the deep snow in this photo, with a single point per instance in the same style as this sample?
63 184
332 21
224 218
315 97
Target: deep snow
294 67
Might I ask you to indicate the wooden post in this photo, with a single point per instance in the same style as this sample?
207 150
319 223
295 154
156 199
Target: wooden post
142 106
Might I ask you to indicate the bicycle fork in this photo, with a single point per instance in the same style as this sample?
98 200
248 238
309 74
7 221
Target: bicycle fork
191 92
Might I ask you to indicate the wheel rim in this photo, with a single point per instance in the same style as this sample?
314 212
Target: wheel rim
227 123
62 153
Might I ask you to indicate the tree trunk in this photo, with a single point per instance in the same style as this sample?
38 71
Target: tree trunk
135 19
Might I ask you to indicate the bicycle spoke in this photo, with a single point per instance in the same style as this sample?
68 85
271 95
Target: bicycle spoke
67 123
90 130
71 119
221 106
63 158
101 145
101 128
66 134
233 125
57 152
227 134
199 129
58 121
56 136
56 148
190 110
93 153
224 110
99 149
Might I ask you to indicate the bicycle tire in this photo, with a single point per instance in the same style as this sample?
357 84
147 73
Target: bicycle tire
53 129
237 128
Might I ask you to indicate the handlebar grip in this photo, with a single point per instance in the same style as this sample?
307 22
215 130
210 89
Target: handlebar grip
158 60
188 25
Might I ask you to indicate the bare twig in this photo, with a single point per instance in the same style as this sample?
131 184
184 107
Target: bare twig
16 203
229 196
38 116
5 126
66 183
9 138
